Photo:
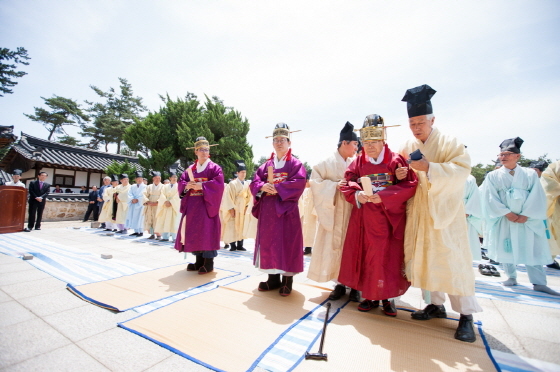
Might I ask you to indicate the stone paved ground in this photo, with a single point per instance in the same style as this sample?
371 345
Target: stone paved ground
43 327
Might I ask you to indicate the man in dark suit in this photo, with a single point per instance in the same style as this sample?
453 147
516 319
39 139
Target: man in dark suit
92 207
38 191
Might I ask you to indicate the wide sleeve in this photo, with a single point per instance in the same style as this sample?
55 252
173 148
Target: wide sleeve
324 192
212 191
293 186
395 196
472 199
259 179
492 204
145 195
534 206
446 178
352 175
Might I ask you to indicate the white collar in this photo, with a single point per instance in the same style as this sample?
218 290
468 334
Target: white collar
339 157
279 163
505 170
202 167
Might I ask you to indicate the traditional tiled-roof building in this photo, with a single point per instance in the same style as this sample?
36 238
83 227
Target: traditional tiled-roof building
69 166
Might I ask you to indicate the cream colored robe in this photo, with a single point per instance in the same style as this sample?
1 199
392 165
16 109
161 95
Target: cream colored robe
237 197
550 180
107 210
151 194
308 217
122 207
250 224
436 244
168 218
333 214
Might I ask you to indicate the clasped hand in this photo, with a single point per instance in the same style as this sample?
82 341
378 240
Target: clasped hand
512 217
341 183
194 185
269 188
363 198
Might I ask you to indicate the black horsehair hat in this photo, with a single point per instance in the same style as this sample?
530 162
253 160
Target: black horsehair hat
240 165
538 164
418 100
511 145
347 133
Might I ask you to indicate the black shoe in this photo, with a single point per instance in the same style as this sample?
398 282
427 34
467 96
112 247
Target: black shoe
133 234
286 287
164 240
207 267
84 221
493 270
151 236
389 308
197 265
367 305
26 230
484 256
484 269
465 330
37 228
355 295
107 230
494 262
307 250
226 246
338 291
429 312
241 249
273 282
554 265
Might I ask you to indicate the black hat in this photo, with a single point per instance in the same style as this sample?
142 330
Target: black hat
156 174
538 164
124 175
418 100
240 164
172 171
17 172
512 145
347 133
139 174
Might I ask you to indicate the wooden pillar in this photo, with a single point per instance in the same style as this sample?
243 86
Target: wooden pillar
87 182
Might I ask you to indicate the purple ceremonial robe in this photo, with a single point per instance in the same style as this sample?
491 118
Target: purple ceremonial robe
199 210
279 241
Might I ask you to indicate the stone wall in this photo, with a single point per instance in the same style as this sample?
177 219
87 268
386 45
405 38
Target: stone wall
70 210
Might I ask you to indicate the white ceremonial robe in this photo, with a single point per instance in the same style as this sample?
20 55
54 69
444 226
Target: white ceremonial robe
436 245
237 197
308 217
333 214
134 217
168 218
122 208
512 242
151 194
18 183
250 224
550 180
106 214
473 207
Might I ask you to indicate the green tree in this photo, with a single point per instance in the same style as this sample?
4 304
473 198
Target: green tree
163 136
111 118
68 140
64 111
8 71
120 168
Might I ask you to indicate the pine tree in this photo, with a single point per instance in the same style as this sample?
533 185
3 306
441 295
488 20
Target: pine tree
8 71
120 168
64 111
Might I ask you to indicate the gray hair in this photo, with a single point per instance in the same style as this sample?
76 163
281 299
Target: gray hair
429 116
106 178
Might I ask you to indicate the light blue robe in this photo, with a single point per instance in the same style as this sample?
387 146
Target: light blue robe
134 216
512 242
473 207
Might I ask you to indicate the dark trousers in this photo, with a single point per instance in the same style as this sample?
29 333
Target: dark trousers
35 213
92 208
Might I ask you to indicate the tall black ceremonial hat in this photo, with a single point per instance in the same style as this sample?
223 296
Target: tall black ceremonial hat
156 174
17 172
139 174
347 133
114 178
240 164
512 145
124 175
418 100
538 164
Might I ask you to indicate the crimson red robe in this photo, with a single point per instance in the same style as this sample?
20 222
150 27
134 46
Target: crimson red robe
373 253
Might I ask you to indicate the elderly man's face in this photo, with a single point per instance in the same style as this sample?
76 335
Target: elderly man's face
509 159
373 148
106 181
421 126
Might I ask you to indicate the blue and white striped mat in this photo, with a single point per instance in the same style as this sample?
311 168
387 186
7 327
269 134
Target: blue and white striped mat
519 293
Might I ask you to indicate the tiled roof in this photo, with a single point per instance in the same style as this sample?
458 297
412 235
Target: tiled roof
7 135
5 176
48 152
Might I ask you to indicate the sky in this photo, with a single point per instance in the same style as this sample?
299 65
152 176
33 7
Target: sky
311 64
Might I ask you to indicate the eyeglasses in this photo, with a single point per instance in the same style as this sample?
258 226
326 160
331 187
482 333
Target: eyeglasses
281 140
203 150
505 155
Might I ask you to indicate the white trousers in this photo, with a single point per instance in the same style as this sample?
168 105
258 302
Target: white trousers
465 305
